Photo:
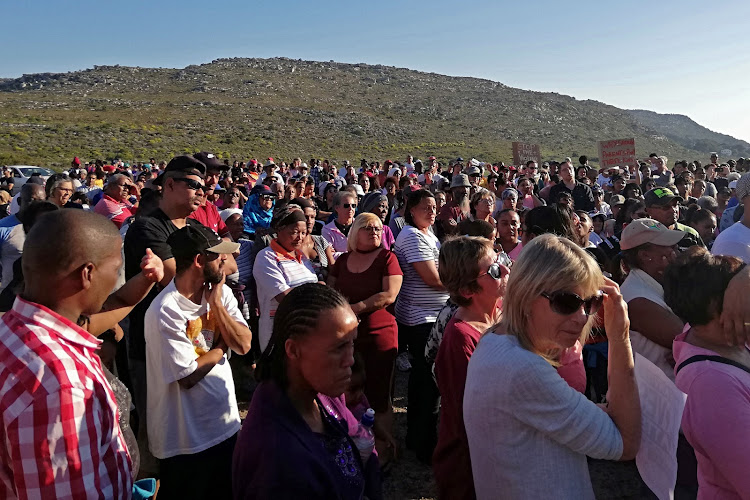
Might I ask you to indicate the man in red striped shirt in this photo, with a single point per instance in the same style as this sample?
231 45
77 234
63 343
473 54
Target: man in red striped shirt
59 436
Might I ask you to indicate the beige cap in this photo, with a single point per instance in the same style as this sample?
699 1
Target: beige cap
642 231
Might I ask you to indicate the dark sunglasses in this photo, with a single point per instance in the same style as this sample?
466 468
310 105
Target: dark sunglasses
350 205
567 303
495 272
267 197
192 184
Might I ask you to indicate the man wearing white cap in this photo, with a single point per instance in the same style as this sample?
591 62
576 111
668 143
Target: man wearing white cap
735 240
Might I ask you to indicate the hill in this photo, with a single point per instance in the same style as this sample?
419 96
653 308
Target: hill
280 107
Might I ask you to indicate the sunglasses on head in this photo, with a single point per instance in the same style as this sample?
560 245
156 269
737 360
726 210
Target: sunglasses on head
567 303
192 184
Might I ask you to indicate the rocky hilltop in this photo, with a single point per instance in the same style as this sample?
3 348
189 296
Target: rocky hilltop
283 107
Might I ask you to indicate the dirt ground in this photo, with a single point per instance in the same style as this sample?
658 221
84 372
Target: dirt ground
410 479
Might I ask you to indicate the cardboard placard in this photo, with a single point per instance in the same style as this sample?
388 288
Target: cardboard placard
617 152
523 152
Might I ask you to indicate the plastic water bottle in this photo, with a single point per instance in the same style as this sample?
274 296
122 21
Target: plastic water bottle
364 438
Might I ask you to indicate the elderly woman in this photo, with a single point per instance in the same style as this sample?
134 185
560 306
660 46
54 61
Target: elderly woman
476 282
714 375
529 432
295 442
315 247
421 298
336 231
59 188
281 266
376 203
369 276
258 211
648 247
481 205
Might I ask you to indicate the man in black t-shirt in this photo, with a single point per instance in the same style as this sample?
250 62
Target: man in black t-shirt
182 194
583 198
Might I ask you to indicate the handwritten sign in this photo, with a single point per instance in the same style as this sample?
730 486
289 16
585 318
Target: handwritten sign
617 152
523 152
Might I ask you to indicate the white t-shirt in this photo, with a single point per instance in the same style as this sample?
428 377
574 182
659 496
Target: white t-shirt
638 284
275 273
417 302
186 421
734 241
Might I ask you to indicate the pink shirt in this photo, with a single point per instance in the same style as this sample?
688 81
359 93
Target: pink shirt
715 422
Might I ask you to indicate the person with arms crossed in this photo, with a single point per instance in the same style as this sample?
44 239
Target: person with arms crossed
189 328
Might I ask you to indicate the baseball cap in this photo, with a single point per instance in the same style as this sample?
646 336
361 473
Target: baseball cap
210 161
195 239
76 160
660 196
641 231
188 165
473 171
617 199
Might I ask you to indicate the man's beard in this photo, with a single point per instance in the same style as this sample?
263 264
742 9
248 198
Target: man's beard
213 276
462 201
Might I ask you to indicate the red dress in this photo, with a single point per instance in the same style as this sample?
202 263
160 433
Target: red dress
377 339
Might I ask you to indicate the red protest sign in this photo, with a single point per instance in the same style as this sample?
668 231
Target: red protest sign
523 152
617 152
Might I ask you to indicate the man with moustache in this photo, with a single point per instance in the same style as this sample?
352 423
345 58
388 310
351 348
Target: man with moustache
191 325
182 194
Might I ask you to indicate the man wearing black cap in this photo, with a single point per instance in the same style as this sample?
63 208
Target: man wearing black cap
207 214
182 194
191 325
663 206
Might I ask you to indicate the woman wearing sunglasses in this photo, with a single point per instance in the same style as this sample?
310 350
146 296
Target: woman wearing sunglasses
336 231
471 273
529 432
258 211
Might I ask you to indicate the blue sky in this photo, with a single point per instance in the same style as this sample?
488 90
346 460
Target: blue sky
685 57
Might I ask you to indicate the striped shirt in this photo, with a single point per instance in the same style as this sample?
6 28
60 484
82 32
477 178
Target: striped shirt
60 436
417 302
116 211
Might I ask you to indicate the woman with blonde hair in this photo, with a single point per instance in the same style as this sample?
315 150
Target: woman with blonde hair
370 277
529 432
470 271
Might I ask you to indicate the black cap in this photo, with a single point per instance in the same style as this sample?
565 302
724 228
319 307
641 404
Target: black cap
210 161
187 165
197 238
660 196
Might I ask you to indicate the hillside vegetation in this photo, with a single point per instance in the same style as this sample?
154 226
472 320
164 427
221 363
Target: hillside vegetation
243 108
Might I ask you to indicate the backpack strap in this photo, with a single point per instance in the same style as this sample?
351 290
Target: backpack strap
707 357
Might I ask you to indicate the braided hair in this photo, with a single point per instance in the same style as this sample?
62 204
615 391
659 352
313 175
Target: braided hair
297 315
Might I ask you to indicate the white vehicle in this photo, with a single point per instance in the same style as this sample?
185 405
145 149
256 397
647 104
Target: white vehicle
21 174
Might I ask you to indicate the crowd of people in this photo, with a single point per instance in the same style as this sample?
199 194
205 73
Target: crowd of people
514 296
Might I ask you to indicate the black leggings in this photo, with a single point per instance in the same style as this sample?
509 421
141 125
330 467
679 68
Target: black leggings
423 394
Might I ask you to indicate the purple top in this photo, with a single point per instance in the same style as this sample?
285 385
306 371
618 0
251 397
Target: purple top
278 456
